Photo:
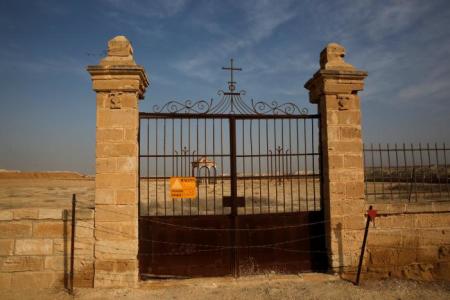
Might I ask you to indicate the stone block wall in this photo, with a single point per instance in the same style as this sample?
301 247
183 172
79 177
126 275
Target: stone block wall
410 241
35 248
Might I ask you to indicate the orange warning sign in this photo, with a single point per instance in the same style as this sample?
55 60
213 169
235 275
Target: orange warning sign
183 187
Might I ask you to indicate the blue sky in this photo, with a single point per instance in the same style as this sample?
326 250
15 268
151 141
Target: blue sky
47 114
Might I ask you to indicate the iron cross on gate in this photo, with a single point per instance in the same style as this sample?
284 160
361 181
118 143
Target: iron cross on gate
231 83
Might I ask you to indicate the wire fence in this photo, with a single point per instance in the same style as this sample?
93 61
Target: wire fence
406 173
182 248
392 231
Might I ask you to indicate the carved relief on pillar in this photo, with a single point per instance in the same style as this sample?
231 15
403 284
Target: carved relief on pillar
114 100
343 101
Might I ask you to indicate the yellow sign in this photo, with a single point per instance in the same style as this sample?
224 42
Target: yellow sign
183 187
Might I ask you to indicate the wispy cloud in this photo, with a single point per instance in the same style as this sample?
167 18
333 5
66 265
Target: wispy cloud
391 19
429 82
154 8
41 65
52 7
264 17
368 19
401 44
259 20
435 89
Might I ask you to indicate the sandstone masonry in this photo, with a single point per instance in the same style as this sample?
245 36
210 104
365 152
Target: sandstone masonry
119 84
334 88
35 248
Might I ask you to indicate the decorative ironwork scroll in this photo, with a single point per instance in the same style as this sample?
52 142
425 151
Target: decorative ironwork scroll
274 108
200 107
231 102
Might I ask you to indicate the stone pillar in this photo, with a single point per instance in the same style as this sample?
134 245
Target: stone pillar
334 88
119 84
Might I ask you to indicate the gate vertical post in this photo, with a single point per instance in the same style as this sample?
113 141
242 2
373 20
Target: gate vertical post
334 88
233 190
119 84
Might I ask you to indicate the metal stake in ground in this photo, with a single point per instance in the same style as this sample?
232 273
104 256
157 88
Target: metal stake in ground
371 214
72 243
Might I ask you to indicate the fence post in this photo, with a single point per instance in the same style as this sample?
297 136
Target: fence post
119 83
334 88
72 242
371 214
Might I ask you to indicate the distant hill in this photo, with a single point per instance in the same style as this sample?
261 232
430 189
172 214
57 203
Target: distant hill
14 174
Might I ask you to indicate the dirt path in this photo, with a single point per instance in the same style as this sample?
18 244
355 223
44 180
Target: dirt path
308 286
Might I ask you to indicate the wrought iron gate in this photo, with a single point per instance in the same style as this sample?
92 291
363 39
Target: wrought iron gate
258 206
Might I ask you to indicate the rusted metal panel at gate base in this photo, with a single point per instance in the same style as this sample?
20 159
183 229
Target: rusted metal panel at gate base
167 247
198 246
285 243
227 201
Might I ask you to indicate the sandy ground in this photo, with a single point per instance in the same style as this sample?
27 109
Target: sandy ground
261 196
56 191
45 192
307 286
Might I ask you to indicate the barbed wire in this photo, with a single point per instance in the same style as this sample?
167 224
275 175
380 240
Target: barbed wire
209 245
394 231
398 231
237 229
240 247
226 247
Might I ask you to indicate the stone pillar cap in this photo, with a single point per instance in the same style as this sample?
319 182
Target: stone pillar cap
120 52
118 70
332 57
335 76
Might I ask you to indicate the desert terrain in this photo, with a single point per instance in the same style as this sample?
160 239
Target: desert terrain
45 189
261 196
303 286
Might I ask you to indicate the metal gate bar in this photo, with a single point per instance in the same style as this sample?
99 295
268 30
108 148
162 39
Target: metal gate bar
290 159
